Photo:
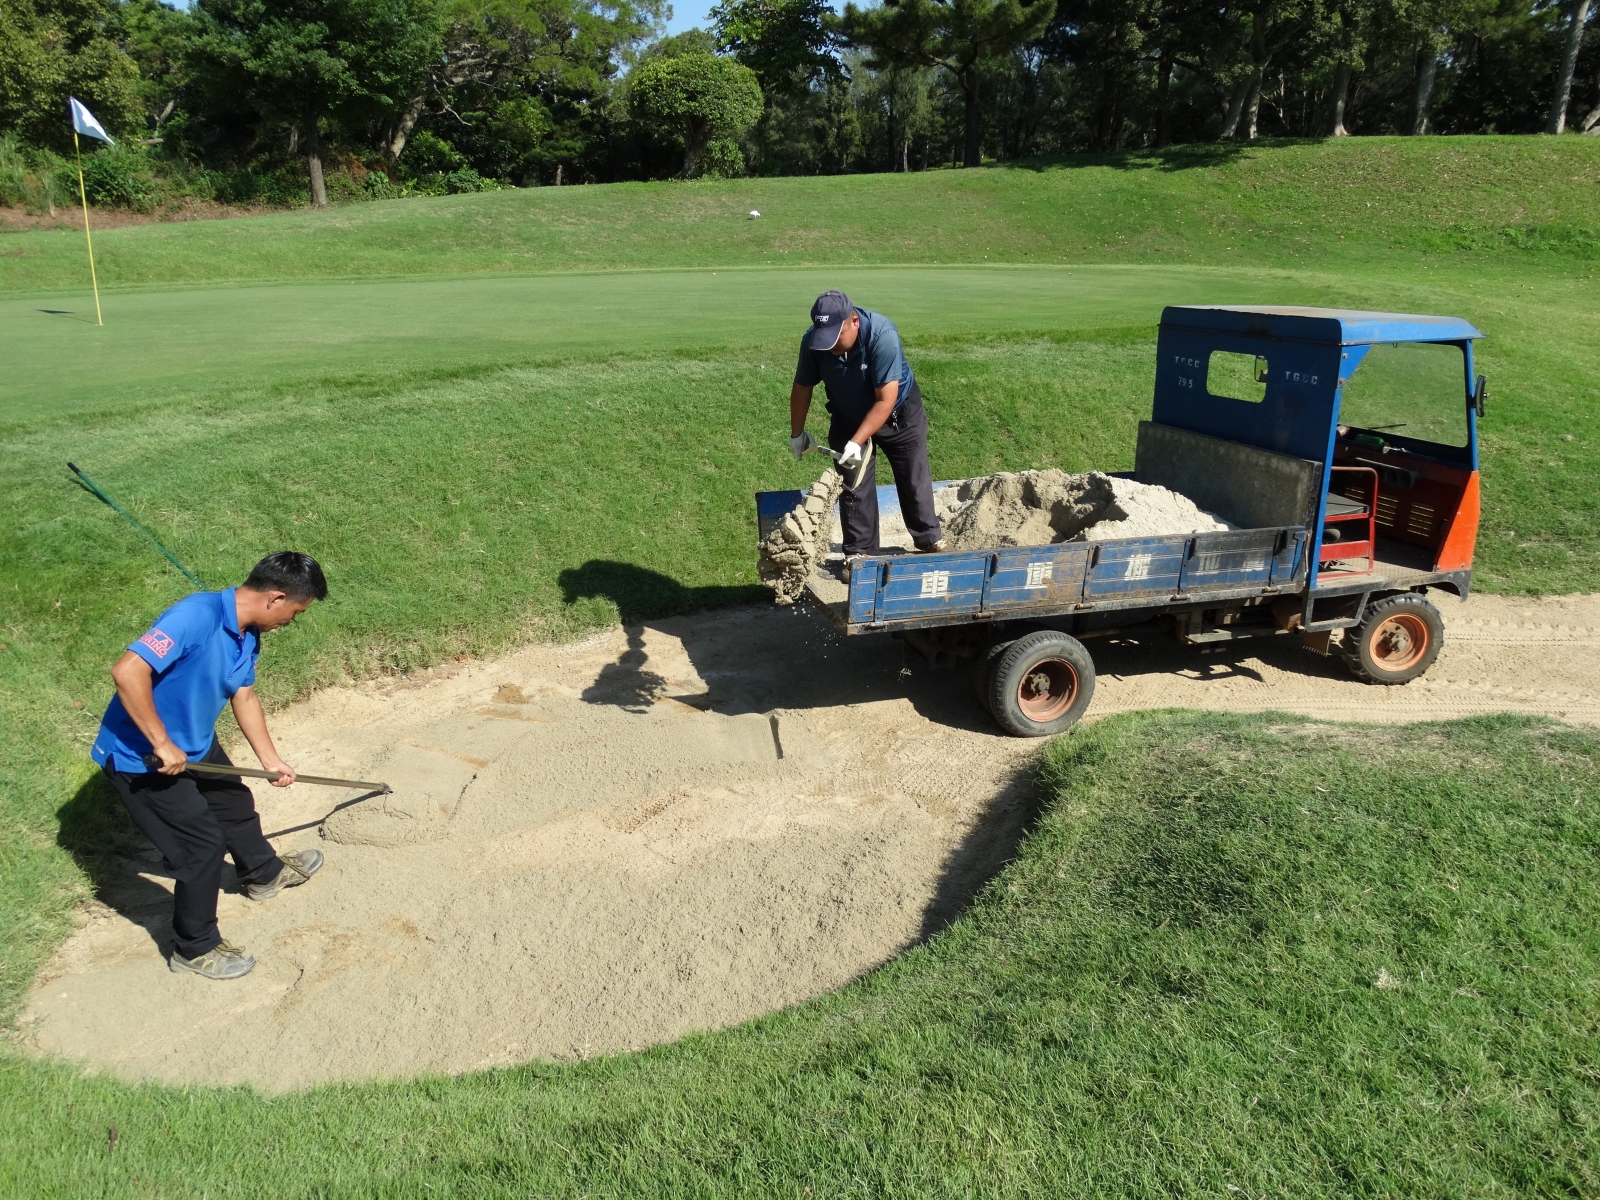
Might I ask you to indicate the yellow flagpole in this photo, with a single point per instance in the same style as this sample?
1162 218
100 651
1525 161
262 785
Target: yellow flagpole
84 196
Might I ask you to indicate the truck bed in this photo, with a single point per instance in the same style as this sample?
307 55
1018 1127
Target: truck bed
900 590
905 591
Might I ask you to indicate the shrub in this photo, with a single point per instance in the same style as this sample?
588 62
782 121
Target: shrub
36 180
431 184
13 172
378 186
284 187
341 186
467 180
428 154
119 177
723 160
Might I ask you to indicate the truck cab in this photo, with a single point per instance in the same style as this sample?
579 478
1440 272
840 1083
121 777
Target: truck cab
1378 412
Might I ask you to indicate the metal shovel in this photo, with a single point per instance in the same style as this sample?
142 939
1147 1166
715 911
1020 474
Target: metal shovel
856 473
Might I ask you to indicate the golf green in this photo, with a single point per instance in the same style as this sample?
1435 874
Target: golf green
207 341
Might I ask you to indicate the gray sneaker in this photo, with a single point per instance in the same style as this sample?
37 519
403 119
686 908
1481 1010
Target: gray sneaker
297 868
222 961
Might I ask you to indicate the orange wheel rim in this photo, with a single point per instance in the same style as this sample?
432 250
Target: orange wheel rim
1399 642
1047 690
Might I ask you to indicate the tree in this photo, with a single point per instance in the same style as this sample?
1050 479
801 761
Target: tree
909 114
159 40
788 43
1105 43
1348 29
50 49
553 54
700 97
1272 26
1429 26
305 62
1557 121
957 35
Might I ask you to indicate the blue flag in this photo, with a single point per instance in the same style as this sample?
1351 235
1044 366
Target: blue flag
83 121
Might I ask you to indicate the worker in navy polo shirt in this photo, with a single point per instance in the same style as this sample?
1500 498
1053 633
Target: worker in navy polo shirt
873 401
171 685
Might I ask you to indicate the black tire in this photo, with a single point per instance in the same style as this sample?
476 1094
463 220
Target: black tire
1398 639
983 673
1041 684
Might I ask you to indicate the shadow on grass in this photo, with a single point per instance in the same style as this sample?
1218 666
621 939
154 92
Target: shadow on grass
96 831
1189 157
640 593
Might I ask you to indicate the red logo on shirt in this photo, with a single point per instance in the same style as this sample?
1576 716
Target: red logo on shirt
157 641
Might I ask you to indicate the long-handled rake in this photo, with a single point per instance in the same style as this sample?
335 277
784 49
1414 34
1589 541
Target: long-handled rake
383 789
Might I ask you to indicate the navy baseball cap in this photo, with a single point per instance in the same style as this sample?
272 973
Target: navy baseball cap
828 317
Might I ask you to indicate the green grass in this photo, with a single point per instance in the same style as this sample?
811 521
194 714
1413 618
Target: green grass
1358 200
1294 959
211 342
450 447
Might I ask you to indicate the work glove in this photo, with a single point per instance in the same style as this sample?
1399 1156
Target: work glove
799 444
850 456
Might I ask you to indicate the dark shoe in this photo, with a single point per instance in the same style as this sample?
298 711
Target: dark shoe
938 547
297 868
222 961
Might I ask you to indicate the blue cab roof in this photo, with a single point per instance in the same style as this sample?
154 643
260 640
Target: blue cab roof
1333 326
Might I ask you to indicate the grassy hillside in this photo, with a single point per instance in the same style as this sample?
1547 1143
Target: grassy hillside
1297 959
1336 203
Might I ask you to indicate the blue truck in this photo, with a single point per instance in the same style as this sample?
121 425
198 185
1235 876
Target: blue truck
1341 445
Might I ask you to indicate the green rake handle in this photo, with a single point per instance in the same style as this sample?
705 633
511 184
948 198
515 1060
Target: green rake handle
95 488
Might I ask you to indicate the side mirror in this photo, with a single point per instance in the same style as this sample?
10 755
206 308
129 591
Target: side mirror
1480 394
1261 369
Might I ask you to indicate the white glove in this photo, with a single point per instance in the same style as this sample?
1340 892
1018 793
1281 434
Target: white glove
850 456
800 444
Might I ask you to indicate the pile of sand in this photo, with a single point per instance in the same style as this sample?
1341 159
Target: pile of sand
792 551
1039 508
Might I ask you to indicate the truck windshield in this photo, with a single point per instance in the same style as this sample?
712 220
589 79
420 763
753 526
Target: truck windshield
1417 390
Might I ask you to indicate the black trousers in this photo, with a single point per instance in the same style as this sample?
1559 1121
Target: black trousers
193 819
904 442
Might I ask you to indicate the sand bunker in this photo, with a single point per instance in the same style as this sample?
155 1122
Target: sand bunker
662 829
1038 508
801 541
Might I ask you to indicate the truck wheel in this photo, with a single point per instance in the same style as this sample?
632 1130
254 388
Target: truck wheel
983 674
1396 641
1041 684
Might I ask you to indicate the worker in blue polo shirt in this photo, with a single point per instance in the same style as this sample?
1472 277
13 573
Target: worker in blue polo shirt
171 685
873 401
